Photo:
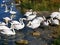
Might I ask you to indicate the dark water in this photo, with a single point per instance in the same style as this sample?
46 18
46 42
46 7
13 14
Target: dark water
21 34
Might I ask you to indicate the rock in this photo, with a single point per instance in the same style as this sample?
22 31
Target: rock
36 33
23 42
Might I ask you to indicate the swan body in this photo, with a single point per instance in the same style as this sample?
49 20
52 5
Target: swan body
7 18
5 30
17 25
54 14
35 23
12 12
30 17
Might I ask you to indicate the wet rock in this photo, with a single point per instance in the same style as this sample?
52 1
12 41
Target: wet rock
22 42
36 33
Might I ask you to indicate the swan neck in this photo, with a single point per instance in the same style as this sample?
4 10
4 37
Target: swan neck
44 18
13 30
10 9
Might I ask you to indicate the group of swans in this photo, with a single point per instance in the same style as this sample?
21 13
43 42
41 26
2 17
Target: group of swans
36 21
14 25
6 8
17 25
11 11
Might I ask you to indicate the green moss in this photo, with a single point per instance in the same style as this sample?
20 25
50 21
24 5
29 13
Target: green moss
56 41
40 5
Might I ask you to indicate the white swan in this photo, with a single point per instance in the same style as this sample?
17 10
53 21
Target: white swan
11 10
35 23
17 25
5 30
6 8
55 15
2 24
7 19
32 16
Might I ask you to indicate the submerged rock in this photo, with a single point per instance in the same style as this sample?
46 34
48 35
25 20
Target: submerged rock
36 33
22 42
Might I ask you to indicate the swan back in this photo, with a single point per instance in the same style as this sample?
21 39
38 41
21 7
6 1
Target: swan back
54 14
8 32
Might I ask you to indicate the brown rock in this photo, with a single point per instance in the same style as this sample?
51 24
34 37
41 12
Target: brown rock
25 42
36 33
